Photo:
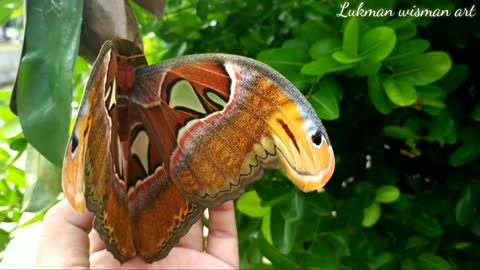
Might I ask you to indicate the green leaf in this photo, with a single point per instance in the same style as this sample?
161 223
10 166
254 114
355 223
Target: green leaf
378 97
15 176
462 245
429 261
404 51
325 47
345 58
406 31
403 133
295 44
476 112
8 10
442 128
350 38
454 78
354 263
311 30
416 242
283 222
4 239
387 194
385 261
425 224
275 256
44 84
18 144
324 99
367 67
266 227
465 210
250 205
274 189
400 92
42 182
371 215
287 61
423 69
377 43
433 103
284 58
202 9
408 264
323 66
37 218
464 154
320 257
10 128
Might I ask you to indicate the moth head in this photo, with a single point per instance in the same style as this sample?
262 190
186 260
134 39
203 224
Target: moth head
305 153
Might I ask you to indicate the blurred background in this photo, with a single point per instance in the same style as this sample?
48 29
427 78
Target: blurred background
399 97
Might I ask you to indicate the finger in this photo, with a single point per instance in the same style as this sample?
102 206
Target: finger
64 238
100 257
96 243
194 238
222 234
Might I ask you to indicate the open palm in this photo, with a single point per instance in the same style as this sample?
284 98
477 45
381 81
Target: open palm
68 241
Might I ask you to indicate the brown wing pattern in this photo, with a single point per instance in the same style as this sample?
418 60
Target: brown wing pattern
138 209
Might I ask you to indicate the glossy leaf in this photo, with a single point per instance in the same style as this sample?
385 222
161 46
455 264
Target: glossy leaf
387 194
377 43
287 61
250 205
404 51
8 10
275 256
408 264
4 238
350 38
476 112
385 260
324 47
345 58
466 208
266 227
464 154
424 69
415 242
323 66
429 261
400 92
44 84
371 215
283 222
325 100
368 67
442 128
284 59
320 257
42 182
399 132
454 78
425 224
377 95
202 9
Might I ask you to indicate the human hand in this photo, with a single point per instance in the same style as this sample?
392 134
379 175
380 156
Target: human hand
68 241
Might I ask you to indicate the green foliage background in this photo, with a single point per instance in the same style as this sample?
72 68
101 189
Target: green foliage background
400 101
